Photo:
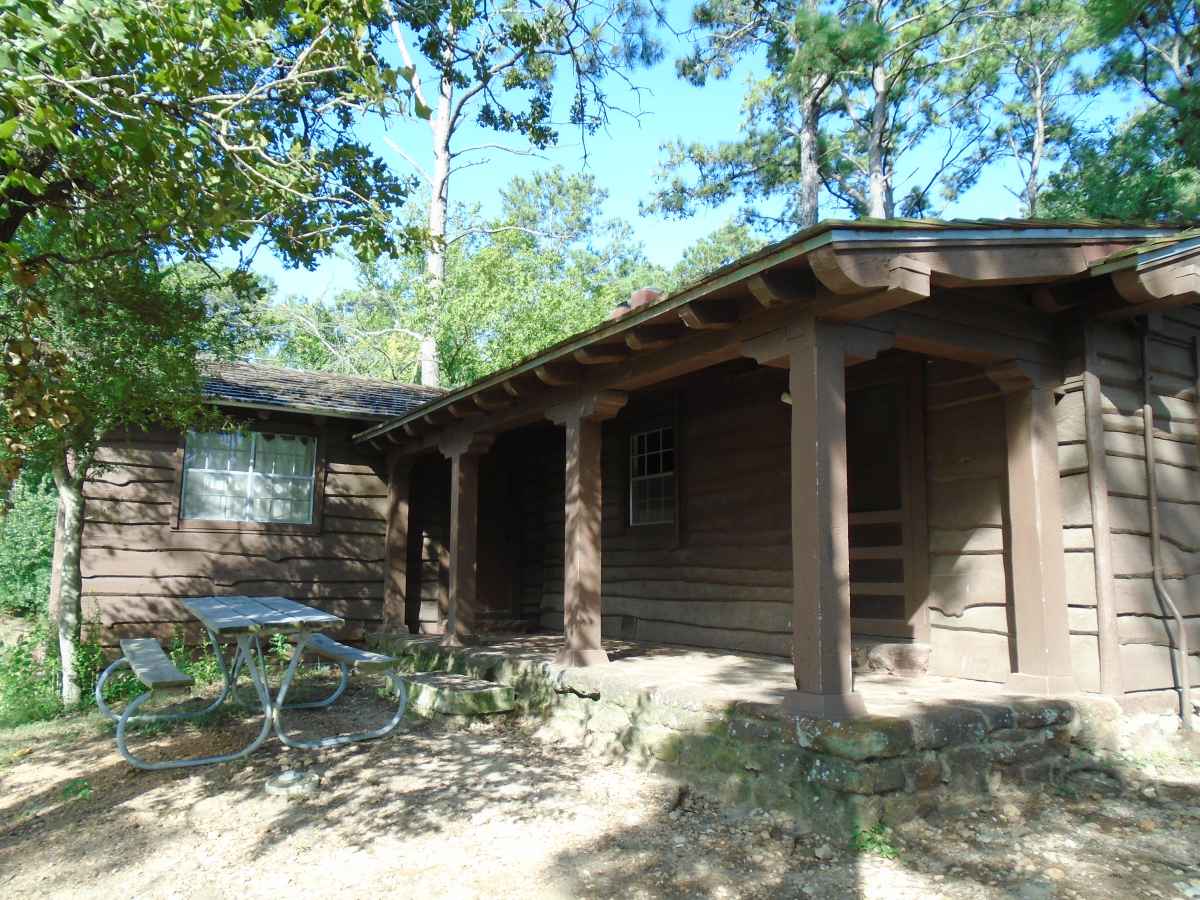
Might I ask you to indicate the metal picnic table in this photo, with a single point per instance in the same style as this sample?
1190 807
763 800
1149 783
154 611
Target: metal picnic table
247 620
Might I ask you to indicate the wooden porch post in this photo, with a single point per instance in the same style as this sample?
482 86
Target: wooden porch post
464 451
820 525
584 501
1039 581
395 586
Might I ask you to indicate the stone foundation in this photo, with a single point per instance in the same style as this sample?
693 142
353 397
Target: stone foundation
839 776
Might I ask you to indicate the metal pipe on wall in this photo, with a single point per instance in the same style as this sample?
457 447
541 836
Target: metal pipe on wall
1160 589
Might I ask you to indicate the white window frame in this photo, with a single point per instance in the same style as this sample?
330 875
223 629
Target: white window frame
247 516
635 479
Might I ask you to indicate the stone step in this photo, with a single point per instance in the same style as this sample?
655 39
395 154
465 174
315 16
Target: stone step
456 695
904 659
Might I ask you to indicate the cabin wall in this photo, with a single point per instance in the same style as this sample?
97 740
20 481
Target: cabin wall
966 484
722 575
137 566
1145 631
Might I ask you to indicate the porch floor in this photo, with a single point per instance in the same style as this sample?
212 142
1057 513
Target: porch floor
697 678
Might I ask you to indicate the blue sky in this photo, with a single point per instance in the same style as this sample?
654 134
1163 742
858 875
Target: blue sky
623 158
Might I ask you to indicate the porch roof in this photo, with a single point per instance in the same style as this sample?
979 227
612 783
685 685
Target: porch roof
847 270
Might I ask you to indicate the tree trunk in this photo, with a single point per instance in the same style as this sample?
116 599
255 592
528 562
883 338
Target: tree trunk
439 205
810 175
879 192
65 602
1032 189
810 140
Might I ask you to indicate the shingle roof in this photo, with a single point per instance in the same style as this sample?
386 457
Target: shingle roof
323 393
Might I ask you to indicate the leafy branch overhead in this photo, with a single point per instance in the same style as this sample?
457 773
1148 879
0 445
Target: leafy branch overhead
127 124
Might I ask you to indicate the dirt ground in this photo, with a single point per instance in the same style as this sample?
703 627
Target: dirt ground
488 810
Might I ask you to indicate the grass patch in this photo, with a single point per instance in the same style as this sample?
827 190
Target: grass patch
876 841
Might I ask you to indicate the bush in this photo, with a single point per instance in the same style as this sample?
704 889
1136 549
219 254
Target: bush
29 678
27 547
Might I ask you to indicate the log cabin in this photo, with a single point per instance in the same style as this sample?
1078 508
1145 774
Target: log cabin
975 437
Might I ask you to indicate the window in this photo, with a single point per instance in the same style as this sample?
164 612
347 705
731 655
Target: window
249 477
652 477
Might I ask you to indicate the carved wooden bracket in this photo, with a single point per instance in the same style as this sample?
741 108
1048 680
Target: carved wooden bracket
772 290
865 284
713 315
1014 375
489 402
1173 282
594 407
650 338
602 354
465 443
858 343
556 375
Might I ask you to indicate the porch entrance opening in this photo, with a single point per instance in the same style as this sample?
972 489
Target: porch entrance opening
885 462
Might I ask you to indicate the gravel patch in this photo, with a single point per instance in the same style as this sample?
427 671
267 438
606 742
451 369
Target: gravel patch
487 810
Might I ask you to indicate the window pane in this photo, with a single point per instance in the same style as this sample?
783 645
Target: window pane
253 477
652 480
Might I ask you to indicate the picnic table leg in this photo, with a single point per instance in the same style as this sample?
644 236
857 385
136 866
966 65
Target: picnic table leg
340 739
245 652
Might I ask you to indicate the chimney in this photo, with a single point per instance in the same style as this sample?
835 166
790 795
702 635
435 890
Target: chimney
639 298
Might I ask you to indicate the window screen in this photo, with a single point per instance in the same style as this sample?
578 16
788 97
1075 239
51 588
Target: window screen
652 477
249 477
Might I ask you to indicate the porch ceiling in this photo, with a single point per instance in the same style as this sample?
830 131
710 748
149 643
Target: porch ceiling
837 271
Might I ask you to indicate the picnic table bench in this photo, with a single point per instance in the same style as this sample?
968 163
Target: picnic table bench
246 620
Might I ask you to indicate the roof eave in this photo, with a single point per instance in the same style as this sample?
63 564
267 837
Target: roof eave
303 408
799 245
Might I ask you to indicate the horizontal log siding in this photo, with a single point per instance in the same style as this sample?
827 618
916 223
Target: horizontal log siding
137 567
723 579
1145 631
966 470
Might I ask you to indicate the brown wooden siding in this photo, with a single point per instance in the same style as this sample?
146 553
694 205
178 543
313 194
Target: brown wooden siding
1144 630
967 483
137 567
723 577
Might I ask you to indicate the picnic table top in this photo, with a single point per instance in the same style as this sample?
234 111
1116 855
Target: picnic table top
248 615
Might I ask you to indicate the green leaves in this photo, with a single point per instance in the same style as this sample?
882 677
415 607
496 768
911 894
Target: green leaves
124 122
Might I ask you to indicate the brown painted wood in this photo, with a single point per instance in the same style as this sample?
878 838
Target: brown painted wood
1041 631
1097 473
601 355
396 561
820 529
711 315
463 451
651 338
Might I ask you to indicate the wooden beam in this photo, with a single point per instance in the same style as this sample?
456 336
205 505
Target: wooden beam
396 585
1041 631
600 355
556 375
490 401
713 315
460 410
651 338
771 289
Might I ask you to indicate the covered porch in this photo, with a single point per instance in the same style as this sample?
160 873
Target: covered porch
798 336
